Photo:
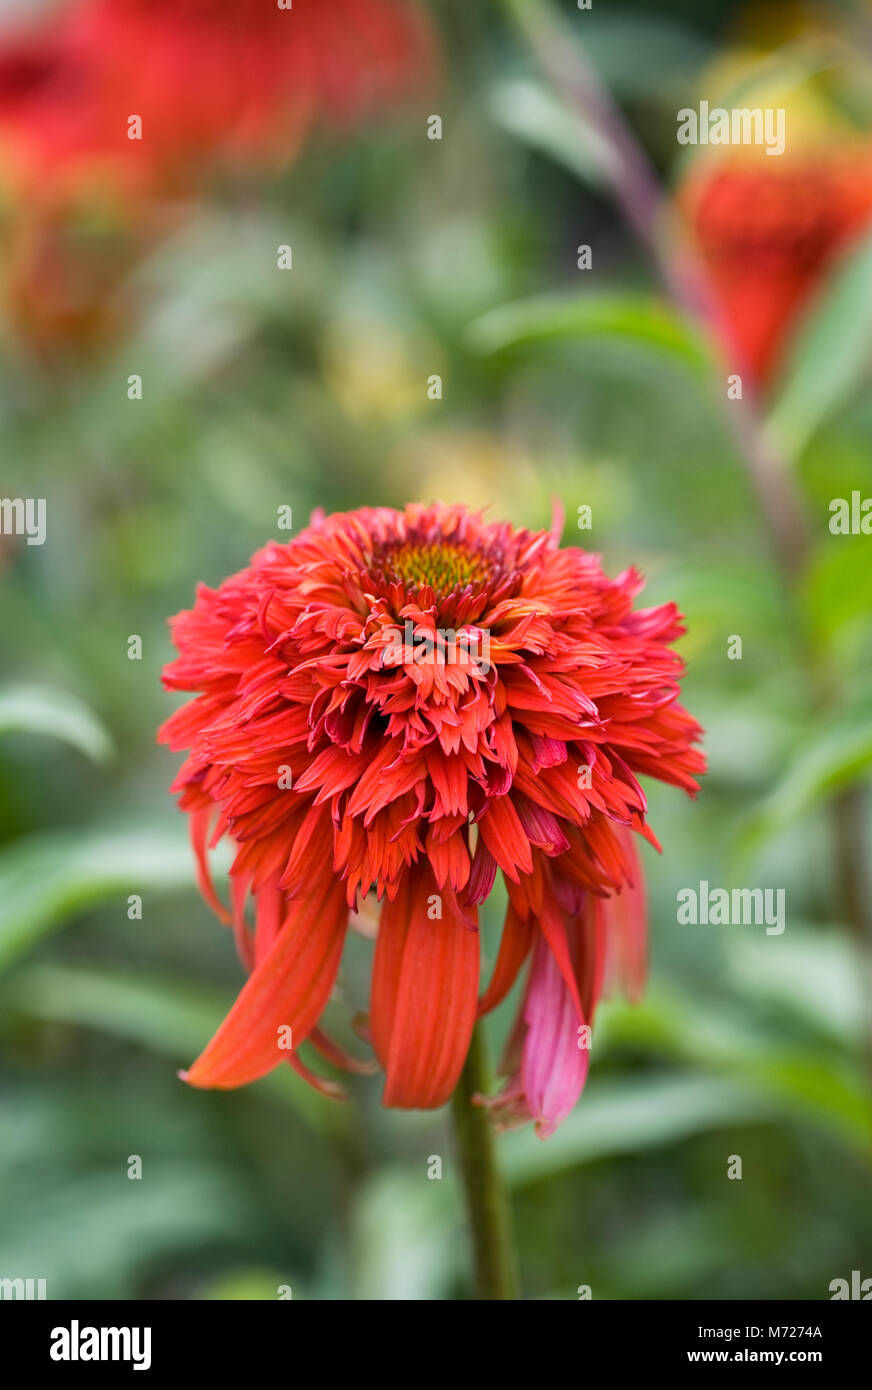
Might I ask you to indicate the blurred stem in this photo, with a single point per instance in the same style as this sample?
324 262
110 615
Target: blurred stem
649 211
486 1199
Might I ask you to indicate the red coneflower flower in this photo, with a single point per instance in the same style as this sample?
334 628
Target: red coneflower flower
407 702
767 232
210 81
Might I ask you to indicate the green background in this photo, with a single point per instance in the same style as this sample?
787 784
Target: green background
307 388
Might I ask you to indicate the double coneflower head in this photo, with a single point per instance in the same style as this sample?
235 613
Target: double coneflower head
343 759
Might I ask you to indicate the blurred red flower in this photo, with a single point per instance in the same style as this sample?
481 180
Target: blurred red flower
409 702
210 81
768 231
206 84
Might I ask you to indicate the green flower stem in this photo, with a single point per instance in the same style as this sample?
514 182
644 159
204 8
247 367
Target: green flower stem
486 1199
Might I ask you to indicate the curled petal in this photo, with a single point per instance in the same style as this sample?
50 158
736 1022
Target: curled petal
555 1057
200 822
551 1072
625 919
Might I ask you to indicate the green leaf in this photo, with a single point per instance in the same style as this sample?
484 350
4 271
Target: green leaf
798 1081
408 1236
826 763
162 1015
760 731
46 878
168 1018
248 1284
101 1231
831 352
812 975
713 592
57 714
838 588
531 113
642 53
548 318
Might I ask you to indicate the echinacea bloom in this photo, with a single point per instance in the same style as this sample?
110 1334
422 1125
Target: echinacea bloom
768 231
404 704
210 81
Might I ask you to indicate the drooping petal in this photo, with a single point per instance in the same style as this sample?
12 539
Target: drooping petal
289 989
555 1057
199 827
553 927
435 1004
387 965
269 907
626 924
546 1058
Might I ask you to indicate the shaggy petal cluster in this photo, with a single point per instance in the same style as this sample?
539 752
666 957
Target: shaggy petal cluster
405 704
208 79
768 230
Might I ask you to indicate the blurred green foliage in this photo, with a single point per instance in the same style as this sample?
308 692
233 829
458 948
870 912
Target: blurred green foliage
309 389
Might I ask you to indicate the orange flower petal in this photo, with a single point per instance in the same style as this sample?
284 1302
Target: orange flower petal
289 988
436 999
